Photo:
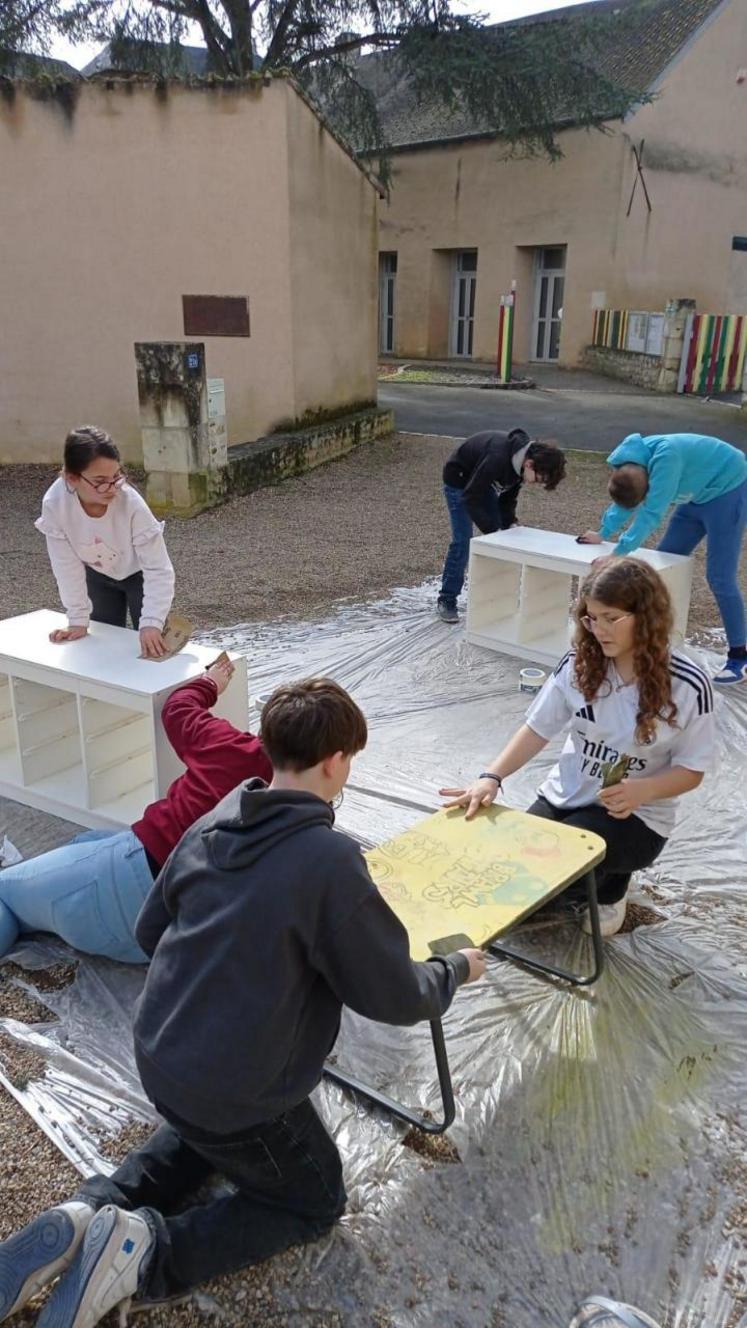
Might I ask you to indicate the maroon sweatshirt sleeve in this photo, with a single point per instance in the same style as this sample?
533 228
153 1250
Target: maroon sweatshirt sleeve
187 719
217 755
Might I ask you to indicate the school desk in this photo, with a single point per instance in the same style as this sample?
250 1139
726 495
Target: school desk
456 883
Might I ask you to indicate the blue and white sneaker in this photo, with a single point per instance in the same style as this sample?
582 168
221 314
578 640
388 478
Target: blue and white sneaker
40 1252
734 670
599 1312
106 1271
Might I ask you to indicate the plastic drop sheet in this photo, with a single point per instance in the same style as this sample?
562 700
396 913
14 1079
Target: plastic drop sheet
600 1135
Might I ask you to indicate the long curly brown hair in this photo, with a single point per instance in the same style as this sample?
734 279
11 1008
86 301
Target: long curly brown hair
634 587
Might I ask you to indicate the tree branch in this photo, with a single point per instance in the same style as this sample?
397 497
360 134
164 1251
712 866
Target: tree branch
340 48
240 18
277 44
198 11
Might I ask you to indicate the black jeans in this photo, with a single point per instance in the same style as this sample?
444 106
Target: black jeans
631 845
111 599
289 1190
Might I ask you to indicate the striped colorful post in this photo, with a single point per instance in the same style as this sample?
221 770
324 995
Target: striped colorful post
505 337
610 328
714 353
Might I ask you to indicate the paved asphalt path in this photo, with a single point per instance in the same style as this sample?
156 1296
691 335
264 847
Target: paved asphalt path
593 419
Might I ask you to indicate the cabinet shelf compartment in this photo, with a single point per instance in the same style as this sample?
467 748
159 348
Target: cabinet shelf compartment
80 726
118 744
48 733
10 761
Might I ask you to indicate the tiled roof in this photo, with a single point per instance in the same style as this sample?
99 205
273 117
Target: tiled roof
653 33
194 60
19 64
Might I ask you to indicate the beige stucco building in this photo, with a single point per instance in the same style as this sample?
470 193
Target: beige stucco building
464 222
118 205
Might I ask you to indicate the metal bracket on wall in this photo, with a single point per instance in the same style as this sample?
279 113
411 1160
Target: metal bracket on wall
638 155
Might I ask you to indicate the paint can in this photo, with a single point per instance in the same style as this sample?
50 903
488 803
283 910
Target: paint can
530 680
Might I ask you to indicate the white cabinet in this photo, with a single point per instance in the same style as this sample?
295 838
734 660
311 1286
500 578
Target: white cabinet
521 584
80 728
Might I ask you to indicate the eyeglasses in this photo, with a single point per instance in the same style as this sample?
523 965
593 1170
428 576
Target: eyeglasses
593 624
103 486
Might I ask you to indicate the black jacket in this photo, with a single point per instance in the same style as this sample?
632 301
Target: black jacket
483 467
262 924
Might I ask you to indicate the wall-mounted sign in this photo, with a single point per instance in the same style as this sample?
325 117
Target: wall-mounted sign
216 315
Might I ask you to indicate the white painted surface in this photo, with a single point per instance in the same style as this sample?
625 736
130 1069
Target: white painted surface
520 587
80 730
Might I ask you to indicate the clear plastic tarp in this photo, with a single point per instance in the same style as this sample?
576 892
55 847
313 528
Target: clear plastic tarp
599 1135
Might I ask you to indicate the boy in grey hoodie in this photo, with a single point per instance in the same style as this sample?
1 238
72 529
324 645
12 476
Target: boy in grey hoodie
261 926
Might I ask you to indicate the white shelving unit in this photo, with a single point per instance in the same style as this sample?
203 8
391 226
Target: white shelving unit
80 730
521 583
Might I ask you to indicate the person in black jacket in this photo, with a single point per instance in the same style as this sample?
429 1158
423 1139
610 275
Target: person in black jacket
482 480
262 924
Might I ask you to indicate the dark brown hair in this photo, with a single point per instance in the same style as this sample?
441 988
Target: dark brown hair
84 444
634 587
305 722
628 484
548 462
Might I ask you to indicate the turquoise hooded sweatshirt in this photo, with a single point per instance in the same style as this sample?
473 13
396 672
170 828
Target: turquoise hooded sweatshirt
682 468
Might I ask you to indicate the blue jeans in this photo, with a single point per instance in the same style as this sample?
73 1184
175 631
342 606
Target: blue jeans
457 556
89 892
723 522
289 1190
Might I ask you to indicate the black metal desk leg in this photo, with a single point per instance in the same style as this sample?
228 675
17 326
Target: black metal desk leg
575 979
397 1108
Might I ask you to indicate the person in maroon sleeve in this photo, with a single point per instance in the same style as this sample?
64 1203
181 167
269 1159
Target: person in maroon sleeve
89 892
263 924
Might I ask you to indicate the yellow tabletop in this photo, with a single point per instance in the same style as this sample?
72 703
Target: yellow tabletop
454 882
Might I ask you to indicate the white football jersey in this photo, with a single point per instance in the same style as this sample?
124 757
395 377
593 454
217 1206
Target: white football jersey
603 730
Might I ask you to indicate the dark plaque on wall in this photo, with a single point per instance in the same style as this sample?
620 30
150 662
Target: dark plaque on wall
216 315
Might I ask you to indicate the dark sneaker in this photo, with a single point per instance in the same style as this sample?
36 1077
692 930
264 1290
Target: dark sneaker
36 1255
447 612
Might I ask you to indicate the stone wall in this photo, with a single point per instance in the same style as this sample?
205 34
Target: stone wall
632 367
256 465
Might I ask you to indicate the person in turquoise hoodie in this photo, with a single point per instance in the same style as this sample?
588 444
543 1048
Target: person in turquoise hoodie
708 479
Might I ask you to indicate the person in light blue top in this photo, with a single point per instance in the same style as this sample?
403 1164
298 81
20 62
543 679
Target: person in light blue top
708 479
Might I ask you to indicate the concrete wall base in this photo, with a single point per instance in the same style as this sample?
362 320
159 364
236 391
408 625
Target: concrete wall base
268 461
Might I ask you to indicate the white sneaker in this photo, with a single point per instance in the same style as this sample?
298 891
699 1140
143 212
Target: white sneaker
33 1257
105 1272
599 1312
611 917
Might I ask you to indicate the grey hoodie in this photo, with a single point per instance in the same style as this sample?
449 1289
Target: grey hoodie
262 924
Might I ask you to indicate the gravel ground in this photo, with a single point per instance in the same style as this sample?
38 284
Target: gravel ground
353 528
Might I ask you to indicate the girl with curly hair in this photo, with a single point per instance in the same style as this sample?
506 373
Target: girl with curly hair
636 712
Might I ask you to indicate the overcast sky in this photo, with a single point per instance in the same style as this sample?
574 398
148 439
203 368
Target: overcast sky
495 9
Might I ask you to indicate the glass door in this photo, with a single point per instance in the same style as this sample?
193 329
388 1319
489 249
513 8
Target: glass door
548 303
463 289
387 284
